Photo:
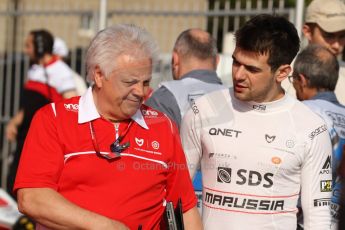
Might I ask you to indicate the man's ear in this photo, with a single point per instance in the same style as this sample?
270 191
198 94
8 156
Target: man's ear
303 80
175 62
98 77
307 31
282 72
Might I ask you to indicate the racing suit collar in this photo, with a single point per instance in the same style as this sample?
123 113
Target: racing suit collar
283 103
88 110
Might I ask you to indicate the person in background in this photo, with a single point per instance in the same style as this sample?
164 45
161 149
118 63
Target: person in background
315 74
104 160
194 64
48 80
259 148
325 25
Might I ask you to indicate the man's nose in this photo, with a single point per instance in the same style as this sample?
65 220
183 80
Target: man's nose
239 72
139 90
336 46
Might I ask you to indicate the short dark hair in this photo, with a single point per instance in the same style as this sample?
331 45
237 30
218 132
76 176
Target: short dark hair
269 34
43 42
318 65
189 45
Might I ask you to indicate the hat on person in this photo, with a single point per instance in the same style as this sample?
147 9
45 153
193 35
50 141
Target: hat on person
328 14
60 47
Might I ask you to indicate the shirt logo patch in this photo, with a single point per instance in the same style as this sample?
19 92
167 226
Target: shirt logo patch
259 107
139 142
155 144
322 202
326 186
224 175
276 160
72 107
290 143
150 113
326 168
269 138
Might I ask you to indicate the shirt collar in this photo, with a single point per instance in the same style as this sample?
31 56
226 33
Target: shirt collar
88 110
52 60
327 96
204 75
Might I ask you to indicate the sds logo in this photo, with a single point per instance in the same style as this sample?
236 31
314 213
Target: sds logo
243 176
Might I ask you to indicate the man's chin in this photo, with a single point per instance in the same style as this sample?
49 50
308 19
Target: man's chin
132 110
241 96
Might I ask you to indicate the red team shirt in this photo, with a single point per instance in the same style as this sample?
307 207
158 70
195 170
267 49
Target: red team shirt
59 154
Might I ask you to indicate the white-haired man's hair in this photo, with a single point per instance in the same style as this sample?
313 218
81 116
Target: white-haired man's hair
117 40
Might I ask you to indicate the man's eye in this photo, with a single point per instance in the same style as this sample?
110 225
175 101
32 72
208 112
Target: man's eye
252 69
328 35
129 82
235 63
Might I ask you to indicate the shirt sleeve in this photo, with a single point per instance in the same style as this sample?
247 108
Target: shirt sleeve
163 100
191 139
316 180
179 184
42 159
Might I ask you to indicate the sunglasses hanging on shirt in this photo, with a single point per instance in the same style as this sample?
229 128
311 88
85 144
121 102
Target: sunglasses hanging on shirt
116 148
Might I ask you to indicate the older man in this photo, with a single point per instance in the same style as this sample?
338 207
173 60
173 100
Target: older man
314 78
104 160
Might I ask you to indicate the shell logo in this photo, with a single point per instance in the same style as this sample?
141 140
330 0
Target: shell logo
276 160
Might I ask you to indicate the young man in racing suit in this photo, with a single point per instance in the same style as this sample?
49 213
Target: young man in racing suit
258 147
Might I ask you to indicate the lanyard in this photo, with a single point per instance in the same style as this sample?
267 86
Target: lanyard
116 148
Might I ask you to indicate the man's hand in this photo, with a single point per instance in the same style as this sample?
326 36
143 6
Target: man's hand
12 126
11 131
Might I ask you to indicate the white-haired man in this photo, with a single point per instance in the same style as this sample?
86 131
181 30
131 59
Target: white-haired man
104 160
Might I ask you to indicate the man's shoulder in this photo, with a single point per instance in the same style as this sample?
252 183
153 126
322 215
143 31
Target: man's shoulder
212 102
153 115
60 67
154 118
300 111
65 106
215 96
320 105
160 96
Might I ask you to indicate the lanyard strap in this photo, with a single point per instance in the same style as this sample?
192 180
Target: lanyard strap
116 148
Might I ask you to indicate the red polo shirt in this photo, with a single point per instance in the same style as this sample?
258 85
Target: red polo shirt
59 153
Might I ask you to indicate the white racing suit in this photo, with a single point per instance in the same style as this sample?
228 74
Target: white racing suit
256 159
